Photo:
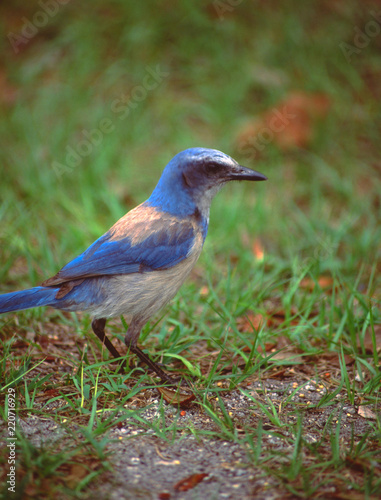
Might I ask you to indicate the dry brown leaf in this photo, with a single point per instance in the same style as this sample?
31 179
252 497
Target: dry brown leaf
76 473
293 355
324 282
366 412
51 393
189 482
332 360
269 346
176 398
250 322
20 344
164 495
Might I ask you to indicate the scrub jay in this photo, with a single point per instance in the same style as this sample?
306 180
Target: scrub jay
140 263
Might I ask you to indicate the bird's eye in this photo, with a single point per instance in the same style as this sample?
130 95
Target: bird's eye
212 168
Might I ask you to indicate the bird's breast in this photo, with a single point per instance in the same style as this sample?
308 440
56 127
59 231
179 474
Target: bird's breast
143 294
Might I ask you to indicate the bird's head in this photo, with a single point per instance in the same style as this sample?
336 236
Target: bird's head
193 177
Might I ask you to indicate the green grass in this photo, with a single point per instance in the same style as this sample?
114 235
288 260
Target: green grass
318 216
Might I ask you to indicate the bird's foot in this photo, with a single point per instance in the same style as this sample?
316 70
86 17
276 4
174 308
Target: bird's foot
164 377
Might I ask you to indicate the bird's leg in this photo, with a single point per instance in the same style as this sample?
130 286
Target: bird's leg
98 326
154 366
131 339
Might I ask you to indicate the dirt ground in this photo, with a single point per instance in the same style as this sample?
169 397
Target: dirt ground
190 464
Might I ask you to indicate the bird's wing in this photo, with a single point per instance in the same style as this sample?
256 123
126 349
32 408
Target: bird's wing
144 240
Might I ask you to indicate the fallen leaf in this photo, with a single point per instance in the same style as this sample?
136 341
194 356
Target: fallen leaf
51 393
20 344
292 356
164 495
250 322
176 398
333 360
77 472
268 347
49 359
366 412
189 482
323 282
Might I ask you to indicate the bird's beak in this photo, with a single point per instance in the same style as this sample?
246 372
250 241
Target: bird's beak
241 173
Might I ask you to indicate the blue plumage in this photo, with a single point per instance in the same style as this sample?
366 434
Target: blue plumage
140 263
144 240
25 299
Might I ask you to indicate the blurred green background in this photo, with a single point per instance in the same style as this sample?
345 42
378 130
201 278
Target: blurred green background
95 98
160 77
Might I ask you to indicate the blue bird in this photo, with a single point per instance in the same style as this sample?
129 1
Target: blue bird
140 263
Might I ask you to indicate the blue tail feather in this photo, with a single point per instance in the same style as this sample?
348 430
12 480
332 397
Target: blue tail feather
25 299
